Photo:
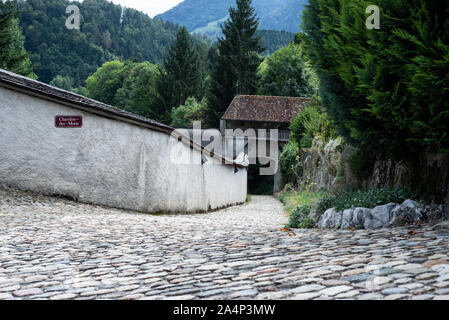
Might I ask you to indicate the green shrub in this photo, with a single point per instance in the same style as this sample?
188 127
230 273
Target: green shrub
365 199
287 161
310 123
184 116
293 199
300 219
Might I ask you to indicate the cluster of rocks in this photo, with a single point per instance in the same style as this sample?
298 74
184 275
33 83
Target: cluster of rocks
389 215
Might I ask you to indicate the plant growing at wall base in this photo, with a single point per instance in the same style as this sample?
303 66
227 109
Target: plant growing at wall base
312 122
365 199
287 161
300 219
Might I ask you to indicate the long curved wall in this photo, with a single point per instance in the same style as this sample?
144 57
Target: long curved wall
107 162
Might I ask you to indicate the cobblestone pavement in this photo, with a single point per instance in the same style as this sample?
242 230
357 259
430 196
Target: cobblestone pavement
57 249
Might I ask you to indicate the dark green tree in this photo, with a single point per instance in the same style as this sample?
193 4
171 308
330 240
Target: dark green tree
287 73
107 32
385 88
237 61
13 56
181 77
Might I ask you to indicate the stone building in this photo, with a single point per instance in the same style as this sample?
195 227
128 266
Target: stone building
59 143
261 113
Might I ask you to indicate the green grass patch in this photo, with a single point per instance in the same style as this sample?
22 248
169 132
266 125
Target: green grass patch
365 199
293 199
298 205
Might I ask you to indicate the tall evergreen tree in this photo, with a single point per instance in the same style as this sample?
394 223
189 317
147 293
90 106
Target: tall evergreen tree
239 56
386 88
13 56
181 77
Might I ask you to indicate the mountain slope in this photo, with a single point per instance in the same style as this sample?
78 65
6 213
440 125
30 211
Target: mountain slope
273 14
107 32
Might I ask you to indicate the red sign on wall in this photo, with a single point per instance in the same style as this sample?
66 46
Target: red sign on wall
68 121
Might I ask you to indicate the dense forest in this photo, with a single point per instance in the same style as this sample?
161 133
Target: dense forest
107 32
198 14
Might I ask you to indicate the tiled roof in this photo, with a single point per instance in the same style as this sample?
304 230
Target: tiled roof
264 108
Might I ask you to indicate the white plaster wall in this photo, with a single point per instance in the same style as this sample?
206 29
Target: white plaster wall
107 162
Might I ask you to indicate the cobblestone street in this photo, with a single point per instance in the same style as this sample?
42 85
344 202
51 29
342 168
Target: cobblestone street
57 249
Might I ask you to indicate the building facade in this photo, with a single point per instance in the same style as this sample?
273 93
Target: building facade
261 114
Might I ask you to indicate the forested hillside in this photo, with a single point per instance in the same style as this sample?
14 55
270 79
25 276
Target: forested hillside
107 32
200 15
272 40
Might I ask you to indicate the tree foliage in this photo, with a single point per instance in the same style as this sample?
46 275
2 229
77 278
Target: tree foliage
273 40
107 32
127 85
13 56
182 76
236 62
312 122
287 73
184 116
386 88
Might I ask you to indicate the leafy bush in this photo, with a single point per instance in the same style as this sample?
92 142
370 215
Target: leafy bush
185 115
365 199
287 161
310 123
293 199
299 218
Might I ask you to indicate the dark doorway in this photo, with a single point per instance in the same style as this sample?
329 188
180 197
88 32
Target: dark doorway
257 184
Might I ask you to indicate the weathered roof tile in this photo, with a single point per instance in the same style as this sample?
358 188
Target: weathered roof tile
264 108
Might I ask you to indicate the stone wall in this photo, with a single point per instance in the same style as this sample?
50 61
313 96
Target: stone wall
328 167
428 174
107 161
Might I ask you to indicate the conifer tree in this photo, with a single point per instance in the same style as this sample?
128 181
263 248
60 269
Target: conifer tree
181 76
386 88
13 56
239 56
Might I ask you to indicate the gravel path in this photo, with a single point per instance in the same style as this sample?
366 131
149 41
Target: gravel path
57 249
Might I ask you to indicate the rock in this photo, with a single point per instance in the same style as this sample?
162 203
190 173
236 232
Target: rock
347 219
307 296
331 219
432 213
27 292
308 288
379 217
431 263
359 217
333 291
408 212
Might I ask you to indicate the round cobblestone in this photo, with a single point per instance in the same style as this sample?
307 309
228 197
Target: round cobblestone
51 248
